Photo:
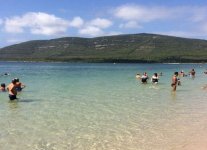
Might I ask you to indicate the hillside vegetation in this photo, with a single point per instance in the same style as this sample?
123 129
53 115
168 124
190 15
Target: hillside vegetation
120 48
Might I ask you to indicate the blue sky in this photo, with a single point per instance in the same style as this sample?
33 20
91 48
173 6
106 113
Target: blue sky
23 20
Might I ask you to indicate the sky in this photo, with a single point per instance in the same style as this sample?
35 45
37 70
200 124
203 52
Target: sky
24 20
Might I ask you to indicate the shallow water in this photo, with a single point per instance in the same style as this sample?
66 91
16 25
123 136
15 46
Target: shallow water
72 106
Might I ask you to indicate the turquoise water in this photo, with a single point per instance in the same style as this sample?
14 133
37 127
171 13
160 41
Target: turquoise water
72 106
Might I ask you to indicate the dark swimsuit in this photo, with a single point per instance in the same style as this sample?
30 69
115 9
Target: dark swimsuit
174 84
12 97
18 89
144 80
154 80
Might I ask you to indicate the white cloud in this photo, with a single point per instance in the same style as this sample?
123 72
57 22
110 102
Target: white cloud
37 23
77 22
40 23
153 13
141 13
130 24
91 31
100 23
95 27
186 21
14 25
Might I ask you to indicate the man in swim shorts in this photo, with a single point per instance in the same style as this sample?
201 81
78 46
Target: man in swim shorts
12 90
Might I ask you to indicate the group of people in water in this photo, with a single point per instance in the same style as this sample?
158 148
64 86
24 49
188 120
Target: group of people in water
13 88
16 86
175 78
144 77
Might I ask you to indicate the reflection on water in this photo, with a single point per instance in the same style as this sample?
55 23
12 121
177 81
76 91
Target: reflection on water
101 106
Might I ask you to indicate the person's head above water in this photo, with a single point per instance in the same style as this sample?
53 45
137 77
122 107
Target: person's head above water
14 81
155 74
176 73
17 79
3 85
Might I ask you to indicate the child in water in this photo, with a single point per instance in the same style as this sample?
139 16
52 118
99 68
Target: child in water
3 87
138 76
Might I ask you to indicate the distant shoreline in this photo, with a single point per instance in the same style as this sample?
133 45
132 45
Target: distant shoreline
129 62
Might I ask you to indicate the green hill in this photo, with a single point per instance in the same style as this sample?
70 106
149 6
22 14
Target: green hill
120 48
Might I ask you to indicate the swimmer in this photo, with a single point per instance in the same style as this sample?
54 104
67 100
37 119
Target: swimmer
182 74
155 78
138 76
12 90
5 74
205 72
3 87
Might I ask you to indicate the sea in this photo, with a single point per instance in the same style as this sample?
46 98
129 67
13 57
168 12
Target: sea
102 106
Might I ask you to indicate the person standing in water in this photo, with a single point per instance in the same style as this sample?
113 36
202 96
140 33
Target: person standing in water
12 90
144 78
155 78
174 81
182 74
192 73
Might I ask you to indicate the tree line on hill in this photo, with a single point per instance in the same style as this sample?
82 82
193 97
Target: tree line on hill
150 48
